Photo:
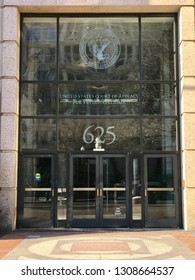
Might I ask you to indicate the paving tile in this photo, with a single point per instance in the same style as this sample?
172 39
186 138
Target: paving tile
96 245
102 246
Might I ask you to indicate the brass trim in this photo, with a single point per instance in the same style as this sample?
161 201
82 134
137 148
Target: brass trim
114 189
61 190
37 189
84 189
160 189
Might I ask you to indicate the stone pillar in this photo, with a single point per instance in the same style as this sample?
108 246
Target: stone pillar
187 82
9 84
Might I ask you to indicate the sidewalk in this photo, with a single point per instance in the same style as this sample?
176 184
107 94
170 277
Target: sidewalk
98 245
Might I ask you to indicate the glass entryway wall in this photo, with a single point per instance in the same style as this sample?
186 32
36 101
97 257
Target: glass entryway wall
105 85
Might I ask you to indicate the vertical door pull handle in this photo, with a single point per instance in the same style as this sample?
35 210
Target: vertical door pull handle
98 193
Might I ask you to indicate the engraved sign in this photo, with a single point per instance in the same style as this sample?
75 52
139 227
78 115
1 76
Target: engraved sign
99 98
100 48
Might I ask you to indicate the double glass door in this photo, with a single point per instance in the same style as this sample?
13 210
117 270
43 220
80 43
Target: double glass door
100 190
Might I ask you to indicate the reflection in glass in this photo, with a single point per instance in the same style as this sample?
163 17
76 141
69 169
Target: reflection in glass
158 48
37 192
38 99
38 133
61 204
160 188
99 49
62 171
159 99
84 188
114 188
117 134
99 99
39 49
114 79
159 134
136 190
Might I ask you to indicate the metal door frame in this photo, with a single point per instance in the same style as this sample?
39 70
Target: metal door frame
20 193
164 223
99 221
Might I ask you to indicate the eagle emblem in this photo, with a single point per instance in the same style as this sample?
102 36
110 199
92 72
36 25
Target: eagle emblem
99 48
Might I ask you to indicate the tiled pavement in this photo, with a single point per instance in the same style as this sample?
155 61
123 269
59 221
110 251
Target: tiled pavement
98 245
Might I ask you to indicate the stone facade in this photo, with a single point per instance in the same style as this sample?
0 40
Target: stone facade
9 87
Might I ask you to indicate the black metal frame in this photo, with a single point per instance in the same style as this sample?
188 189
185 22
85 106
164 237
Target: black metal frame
140 117
20 197
99 221
171 222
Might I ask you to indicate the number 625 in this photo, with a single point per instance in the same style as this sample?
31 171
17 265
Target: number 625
89 137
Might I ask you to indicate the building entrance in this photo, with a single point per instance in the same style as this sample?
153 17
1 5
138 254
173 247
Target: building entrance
103 190
100 190
99 121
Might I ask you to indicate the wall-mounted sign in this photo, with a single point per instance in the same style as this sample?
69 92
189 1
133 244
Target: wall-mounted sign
100 98
100 48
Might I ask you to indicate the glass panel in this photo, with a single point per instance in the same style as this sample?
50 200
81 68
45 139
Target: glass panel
159 134
61 204
37 192
99 99
84 188
114 188
159 99
161 188
39 49
115 134
136 191
38 99
161 204
38 134
99 49
158 48
62 187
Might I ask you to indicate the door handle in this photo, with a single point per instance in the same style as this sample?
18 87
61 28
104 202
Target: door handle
99 192
145 192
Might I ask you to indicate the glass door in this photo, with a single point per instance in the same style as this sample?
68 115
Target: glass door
99 185
161 191
113 191
83 186
36 193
